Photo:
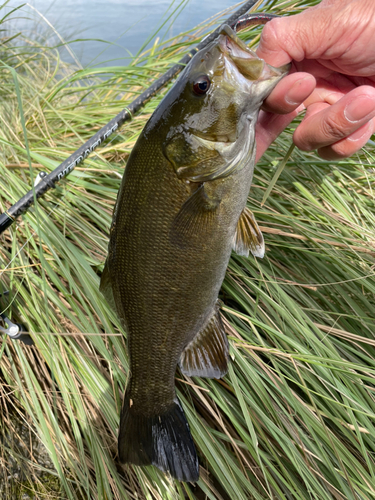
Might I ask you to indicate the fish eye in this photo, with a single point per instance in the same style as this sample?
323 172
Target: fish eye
201 85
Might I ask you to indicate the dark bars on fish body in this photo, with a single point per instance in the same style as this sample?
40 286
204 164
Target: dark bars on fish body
237 21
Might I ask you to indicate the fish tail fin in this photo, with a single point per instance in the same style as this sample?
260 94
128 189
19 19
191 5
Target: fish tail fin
161 440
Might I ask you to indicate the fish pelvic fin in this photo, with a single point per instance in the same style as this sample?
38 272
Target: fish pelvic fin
207 354
161 440
106 286
248 237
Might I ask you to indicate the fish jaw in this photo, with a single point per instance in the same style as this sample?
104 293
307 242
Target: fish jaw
244 70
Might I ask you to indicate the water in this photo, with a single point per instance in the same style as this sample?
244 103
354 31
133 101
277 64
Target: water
126 24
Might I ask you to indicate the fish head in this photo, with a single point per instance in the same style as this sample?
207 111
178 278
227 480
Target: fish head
213 107
225 81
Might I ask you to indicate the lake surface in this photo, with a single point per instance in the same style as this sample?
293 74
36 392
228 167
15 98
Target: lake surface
126 24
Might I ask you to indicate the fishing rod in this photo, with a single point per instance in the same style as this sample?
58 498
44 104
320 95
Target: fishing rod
46 182
15 331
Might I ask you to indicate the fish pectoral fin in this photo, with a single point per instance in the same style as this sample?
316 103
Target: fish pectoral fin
194 217
248 236
106 286
207 354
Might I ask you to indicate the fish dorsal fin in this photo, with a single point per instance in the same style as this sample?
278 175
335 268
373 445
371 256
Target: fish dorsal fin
106 285
194 217
207 354
248 236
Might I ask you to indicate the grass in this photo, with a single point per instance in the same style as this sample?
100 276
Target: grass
294 417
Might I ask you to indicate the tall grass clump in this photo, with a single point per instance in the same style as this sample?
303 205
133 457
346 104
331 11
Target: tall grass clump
294 417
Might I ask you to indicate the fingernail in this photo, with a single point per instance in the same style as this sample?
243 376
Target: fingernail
360 133
361 107
297 92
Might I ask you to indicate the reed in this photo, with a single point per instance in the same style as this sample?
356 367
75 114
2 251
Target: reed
294 417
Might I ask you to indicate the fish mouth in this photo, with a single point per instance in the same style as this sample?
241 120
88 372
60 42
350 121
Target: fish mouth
245 67
242 80
224 140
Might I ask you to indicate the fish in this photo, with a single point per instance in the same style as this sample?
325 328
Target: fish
180 211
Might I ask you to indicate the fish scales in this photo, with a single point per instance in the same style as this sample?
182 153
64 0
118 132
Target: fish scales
180 211
160 282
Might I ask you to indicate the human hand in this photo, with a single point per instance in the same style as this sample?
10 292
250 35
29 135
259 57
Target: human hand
332 42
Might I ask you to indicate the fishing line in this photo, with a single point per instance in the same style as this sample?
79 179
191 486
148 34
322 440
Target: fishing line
237 21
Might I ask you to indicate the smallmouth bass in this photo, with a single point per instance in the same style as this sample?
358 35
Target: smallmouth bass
180 211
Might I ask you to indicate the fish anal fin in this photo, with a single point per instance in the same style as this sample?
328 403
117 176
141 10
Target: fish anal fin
161 440
207 354
106 286
196 215
248 237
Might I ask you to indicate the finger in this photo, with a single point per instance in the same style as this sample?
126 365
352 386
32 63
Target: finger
350 145
289 93
269 126
292 38
271 46
330 89
314 33
325 125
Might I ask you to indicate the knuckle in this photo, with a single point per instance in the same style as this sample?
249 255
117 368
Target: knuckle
302 139
276 38
270 35
333 129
